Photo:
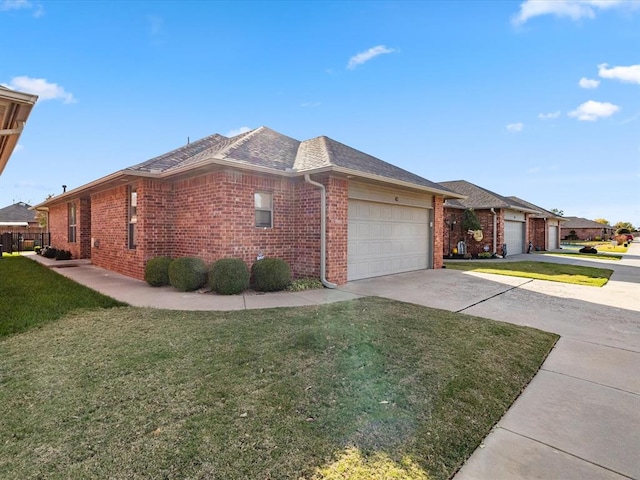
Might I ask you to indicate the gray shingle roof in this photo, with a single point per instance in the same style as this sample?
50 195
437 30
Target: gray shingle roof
578 222
479 198
267 148
541 212
18 212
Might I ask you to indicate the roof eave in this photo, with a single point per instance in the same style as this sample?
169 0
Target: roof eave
21 104
371 176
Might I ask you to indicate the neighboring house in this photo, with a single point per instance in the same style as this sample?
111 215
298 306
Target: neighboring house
544 226
18 218
585 229
15 108
504 221
327 209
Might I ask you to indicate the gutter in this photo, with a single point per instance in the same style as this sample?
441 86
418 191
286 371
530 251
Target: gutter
323 231
495 230
12 131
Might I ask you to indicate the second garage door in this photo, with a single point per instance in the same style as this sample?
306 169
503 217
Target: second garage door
386 239
514 237
553 238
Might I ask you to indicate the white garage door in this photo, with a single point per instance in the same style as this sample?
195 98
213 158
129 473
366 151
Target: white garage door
385 239
553 238
514 237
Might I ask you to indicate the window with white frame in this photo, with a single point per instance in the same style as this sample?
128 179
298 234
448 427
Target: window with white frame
133 217
264 209
72 223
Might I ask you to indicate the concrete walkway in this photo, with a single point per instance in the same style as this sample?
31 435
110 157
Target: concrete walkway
580 416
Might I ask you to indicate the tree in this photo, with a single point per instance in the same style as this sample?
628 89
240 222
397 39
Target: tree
470 220
624 225
603 221
557 212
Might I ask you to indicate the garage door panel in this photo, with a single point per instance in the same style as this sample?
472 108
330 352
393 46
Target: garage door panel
553 237
386 239
514 237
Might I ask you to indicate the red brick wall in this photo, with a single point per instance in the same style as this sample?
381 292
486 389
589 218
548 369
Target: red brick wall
585 233
451 237
538 233
337 228
109 221
306 260
59 227
438 226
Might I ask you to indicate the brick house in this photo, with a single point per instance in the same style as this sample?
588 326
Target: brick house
18 218
503 220
327 209
585 229
544 226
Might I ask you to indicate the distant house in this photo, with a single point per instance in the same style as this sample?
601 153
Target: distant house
544 226
328 209
15 108
577 228
505 221
18 218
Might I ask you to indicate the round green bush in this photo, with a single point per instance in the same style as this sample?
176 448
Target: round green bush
271 274
156 271
187 273
229 276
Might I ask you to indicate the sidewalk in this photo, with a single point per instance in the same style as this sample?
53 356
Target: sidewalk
139 294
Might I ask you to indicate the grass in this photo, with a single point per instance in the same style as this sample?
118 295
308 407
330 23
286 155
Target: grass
365 389
32 295
600 256
555 272
603 246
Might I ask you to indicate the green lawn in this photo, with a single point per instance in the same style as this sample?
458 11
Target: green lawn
555 272
366 389
599 256
32 295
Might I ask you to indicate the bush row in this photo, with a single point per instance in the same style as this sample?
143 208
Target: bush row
57 253
227 276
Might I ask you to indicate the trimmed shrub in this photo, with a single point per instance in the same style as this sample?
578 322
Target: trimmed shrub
229 276
187 273
470 220
156 271
63 255
271 275
49 252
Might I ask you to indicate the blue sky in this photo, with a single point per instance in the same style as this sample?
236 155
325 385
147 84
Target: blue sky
535 99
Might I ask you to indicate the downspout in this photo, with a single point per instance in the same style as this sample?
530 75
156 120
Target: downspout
323 231
495 230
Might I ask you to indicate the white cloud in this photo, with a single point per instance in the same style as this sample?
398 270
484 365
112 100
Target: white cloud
591 111
238 131
573 9
36 7
549 116
515 127
42 88
18 148
588 83
367 55
630 74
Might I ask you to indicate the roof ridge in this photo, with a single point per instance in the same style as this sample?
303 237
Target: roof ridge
244 138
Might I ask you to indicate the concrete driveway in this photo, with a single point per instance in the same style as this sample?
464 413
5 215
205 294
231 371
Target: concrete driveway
580 416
